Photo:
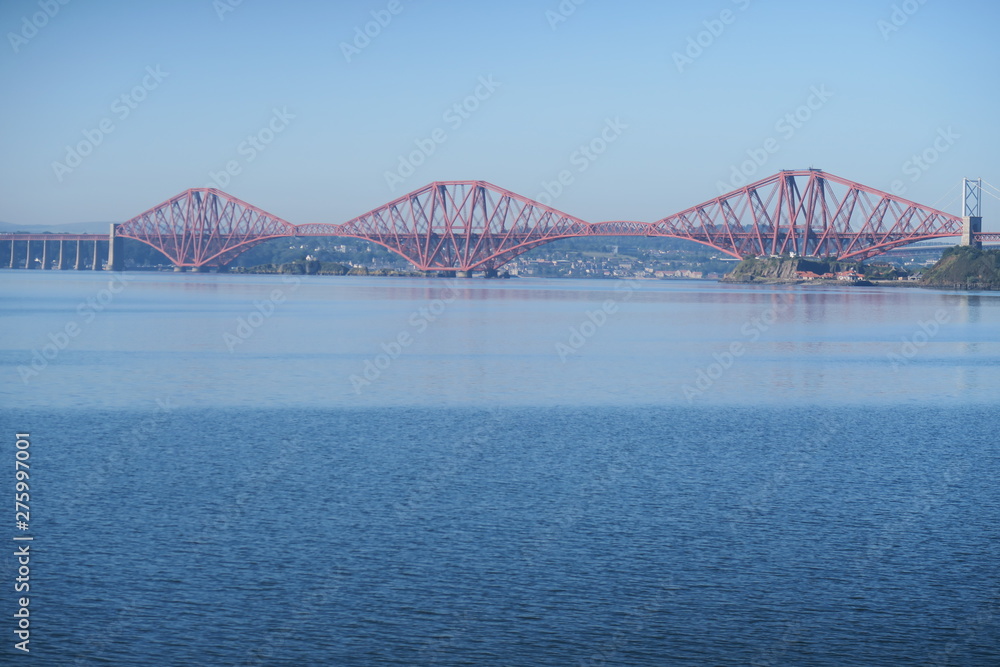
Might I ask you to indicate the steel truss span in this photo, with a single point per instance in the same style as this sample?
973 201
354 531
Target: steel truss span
473 225
809 213
458 225
204 227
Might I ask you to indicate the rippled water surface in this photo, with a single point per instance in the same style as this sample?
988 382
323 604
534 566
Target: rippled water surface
251 470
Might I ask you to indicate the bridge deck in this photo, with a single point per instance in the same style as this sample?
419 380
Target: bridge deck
53 237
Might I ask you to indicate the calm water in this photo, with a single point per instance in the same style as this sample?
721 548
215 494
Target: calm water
250 470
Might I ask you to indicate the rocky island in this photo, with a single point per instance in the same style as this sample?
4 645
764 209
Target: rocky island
961 267
787 269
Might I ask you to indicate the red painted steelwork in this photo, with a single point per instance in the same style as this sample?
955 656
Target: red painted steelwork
810 213
458 225
473 225
204 227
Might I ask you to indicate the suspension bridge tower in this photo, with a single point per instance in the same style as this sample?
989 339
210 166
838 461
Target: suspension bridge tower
972 216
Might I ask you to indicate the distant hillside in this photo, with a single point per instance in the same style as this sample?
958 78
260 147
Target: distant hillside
964 267
69 228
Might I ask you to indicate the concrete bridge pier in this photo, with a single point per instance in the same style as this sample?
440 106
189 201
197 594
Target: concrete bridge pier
96 266
27 254
60 264
45 254
115 254
972 225
77 264
11 265
463 274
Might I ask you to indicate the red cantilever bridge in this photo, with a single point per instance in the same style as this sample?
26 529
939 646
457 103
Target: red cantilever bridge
475 226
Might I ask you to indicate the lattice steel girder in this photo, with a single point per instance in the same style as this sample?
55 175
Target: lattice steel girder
457 225
204 227
808 212
466 225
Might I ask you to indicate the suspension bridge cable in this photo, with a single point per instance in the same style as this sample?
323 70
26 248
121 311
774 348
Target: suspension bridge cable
954 200
934 205
990 193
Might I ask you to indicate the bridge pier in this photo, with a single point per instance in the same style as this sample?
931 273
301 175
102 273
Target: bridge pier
96 266
972 203
178 269
77 265
45 254
27 254
114 250
11 265
463 274
972 226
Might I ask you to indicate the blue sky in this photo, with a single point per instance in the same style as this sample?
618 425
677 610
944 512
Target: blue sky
666 131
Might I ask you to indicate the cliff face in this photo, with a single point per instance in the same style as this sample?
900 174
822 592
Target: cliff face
963 267
779 269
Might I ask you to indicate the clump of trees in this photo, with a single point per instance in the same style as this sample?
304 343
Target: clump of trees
311 267
966 267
